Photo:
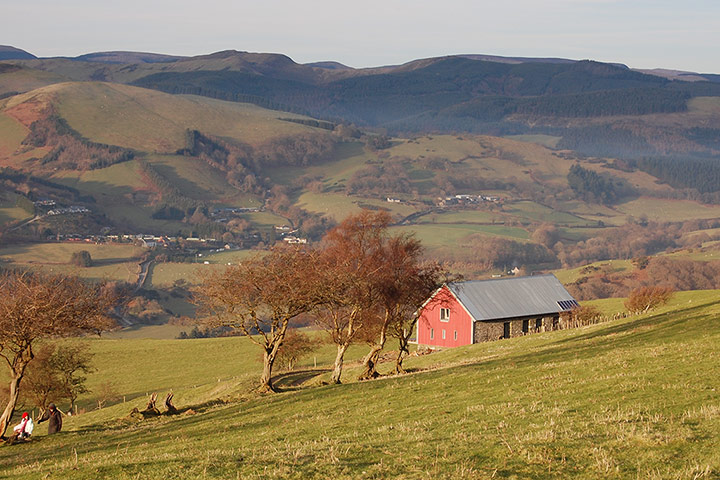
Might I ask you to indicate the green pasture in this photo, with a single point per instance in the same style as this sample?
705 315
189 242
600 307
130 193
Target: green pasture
163 275
8 211
155 332
155 122
140 219
452 235
704 105
705 254
462 216
608 266
668 210
627 399
196 179
230 256
59 253
536 212
545 140
349 157
12 133
110 261
338 206
265 220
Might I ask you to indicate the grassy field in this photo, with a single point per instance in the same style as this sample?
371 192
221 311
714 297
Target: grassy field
610 266
9 212
545 140
151 121
198 180
49 253
13 132
339 205
662 210
634 398
110 261
433 235
165 274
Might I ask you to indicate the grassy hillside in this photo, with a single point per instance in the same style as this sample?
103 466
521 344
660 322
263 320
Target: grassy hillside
634 398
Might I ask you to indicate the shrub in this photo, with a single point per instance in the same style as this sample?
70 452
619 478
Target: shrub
646 298
580 316
81 259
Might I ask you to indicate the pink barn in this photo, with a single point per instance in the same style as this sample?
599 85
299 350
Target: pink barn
463 313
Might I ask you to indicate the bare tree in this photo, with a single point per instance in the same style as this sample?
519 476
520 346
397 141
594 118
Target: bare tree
415 286
260 297
37 305
351 257
295 346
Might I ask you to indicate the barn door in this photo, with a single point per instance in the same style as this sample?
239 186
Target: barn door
506 330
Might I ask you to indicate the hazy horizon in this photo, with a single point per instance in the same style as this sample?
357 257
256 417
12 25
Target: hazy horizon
639 33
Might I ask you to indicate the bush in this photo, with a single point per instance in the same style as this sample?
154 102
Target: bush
580 316
81 259
646 298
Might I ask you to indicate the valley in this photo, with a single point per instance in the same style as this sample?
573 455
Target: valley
153 174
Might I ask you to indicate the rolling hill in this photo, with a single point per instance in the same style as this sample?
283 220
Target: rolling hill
597 151
625 399
602 109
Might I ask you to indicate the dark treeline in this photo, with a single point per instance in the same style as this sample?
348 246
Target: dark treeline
702 174
593 187
243 163
593 104
21 178
448 88
69 148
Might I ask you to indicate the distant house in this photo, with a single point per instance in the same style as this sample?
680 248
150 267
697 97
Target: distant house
463 313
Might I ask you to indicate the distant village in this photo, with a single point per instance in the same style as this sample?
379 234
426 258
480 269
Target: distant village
221 215
458 200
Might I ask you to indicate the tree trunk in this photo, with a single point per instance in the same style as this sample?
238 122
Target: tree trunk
370 363
271 351
12 402
371 359
402 353
266 378
337 370
403 347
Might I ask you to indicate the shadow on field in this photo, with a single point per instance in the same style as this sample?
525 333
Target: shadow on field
291 381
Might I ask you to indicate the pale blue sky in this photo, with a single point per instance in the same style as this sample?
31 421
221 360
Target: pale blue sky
675 34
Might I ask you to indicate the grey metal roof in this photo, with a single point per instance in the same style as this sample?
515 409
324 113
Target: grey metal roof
512 297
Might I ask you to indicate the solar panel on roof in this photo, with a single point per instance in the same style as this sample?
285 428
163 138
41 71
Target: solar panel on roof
568 304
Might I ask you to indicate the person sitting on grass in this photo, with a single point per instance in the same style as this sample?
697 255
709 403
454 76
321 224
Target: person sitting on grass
22 430
55 423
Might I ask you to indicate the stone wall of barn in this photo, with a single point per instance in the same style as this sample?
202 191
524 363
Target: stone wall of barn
496 329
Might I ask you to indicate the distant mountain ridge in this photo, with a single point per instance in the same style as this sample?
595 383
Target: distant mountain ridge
128 57
11 53
597 108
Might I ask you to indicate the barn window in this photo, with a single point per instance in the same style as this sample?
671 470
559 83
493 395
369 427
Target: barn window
444 314
526 326
538 323
455 334
443 334
432 333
